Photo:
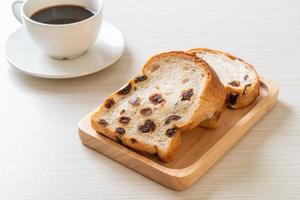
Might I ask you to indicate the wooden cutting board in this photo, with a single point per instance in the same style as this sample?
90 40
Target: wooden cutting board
199 150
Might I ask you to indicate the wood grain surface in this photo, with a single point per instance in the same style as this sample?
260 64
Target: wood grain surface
41 155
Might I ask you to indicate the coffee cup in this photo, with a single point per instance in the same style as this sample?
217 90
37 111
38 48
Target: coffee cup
61 37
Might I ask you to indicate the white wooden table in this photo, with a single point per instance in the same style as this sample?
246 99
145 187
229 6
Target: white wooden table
41 156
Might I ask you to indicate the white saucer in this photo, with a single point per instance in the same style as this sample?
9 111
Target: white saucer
22 53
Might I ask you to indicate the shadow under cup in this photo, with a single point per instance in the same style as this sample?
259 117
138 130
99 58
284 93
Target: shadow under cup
63 41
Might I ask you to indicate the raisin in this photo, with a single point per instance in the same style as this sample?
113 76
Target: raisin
147 126
146 111
233 98
133 141
122 112
118 140
187 95
124 120
125 90
246 77
109 103
140 78
172 118
234 83
102 122
135 101
156 99
171 132
120 130
245 89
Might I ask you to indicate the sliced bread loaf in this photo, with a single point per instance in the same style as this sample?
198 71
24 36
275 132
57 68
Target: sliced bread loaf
174 92
239 78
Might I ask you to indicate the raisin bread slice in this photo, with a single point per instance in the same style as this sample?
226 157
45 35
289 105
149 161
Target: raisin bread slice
239 78
174 92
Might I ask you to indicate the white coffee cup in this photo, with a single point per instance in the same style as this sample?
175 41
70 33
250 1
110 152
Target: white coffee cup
63 41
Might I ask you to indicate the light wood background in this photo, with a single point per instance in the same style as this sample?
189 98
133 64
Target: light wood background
41 156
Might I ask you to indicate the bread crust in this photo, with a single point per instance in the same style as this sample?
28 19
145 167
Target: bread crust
210 100
245 94
213 122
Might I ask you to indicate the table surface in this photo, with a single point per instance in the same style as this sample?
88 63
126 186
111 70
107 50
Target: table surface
41 156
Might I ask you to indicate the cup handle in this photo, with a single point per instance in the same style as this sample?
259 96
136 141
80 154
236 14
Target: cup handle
16 9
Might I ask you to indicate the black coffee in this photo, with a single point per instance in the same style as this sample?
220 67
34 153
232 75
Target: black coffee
62 14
